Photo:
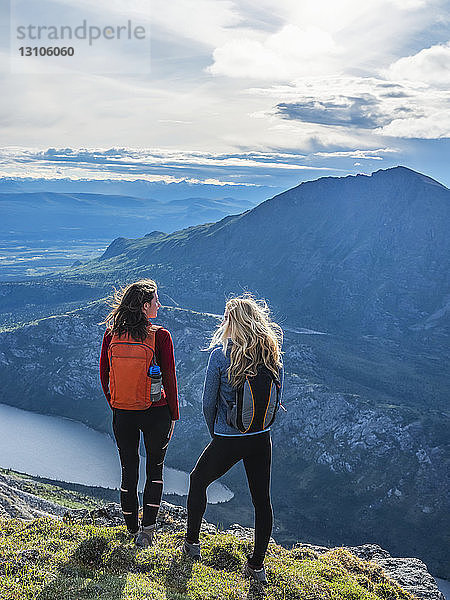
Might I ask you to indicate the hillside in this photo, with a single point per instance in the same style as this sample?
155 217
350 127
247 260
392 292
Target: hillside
365 254
87 554
362 464
356 269
25 497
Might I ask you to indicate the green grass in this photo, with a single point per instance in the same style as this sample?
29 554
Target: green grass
47 559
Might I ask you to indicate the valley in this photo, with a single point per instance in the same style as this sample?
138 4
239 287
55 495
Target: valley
356 272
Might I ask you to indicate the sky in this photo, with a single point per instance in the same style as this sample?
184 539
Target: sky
231 92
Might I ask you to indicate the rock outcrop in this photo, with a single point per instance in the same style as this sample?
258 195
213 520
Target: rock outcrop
17 503
411 573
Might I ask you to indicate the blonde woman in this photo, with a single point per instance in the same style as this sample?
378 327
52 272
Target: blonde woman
248 339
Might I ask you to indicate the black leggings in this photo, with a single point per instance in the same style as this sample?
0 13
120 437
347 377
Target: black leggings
217 458
155 424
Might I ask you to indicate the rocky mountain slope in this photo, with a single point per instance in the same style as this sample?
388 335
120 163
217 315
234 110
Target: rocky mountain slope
358 253
369 564
347 469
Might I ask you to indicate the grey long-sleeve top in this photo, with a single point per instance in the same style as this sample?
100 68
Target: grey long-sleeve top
217 392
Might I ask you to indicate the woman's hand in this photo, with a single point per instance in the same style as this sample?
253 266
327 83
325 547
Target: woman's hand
172 427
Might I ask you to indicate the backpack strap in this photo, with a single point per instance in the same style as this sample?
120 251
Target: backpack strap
151 340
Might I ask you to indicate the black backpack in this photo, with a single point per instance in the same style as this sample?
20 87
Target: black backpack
256 402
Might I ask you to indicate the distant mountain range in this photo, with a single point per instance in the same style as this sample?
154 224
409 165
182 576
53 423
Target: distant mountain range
42 232
138 188
53 215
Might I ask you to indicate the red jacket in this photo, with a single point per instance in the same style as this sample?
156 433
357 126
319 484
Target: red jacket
164 358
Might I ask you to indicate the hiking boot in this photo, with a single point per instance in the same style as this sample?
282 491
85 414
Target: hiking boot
132 535
258 574
192 550
144 536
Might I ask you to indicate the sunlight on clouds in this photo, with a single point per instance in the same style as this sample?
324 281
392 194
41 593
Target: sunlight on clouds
387 108
132 9
153 165
345 76
82 174
411 4
434 126
430 65
323 37
283 55
360 154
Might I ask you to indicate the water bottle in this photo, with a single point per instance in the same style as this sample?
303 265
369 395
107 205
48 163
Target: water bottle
154 372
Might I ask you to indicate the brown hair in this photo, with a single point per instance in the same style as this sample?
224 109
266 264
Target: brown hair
126 316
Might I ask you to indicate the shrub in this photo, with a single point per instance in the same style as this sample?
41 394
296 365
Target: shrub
223 553
120 559
89 552
302 553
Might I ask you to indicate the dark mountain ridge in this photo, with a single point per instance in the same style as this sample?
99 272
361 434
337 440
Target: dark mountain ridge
364 252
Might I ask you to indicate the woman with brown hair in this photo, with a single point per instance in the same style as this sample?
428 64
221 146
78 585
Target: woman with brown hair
249 343
133 351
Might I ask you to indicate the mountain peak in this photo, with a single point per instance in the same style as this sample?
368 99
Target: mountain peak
405 173
155 234
404 178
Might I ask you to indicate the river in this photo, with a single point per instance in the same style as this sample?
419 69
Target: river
65 450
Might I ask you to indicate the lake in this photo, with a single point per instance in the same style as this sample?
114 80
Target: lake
65 450
25 257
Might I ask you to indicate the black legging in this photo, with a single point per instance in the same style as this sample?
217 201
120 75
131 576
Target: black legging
217 458
155 424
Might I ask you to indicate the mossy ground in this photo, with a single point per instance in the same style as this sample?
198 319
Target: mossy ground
48 559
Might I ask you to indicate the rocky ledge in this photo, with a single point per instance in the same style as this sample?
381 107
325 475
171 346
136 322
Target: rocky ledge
411 573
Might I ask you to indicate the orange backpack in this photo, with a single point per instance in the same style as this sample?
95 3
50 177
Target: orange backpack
129 361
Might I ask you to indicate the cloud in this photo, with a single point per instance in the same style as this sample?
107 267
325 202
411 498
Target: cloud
401 109
170 166
411 4
361 154
346 111
208 22
165 159
290 52
323 37
316 67
434 126
430 65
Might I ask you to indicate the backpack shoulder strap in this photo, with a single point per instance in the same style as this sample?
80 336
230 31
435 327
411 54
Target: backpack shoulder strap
151 340
277 379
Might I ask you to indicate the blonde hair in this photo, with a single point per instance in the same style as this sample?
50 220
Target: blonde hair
255 338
